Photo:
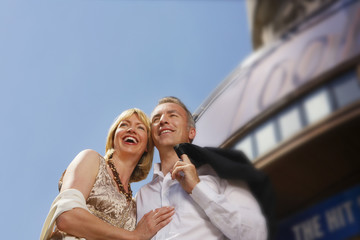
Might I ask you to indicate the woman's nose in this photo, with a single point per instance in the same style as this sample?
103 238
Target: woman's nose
130 129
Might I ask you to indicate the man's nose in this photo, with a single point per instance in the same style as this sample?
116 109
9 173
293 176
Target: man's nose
163 119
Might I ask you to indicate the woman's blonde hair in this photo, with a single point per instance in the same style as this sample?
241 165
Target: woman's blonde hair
143 167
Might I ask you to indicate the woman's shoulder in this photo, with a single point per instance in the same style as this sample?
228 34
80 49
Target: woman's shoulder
88 156
89 153
82 171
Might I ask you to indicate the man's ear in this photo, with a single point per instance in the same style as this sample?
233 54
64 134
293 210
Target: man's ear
192 133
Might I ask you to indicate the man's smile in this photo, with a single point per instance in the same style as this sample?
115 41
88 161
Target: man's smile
165 131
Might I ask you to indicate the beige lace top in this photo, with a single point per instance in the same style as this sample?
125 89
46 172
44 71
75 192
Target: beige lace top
107 203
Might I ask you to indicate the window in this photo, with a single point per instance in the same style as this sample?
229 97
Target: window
346 89
289 122
246 146
317 106
265 138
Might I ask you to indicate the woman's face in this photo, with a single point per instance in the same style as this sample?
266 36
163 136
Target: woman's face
131 136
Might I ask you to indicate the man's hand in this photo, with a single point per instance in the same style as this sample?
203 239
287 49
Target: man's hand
185 172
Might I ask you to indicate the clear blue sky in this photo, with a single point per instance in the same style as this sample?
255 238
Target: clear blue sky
69 67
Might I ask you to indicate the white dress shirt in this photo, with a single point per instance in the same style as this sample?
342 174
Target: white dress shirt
216 208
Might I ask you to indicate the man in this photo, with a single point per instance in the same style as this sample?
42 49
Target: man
206 206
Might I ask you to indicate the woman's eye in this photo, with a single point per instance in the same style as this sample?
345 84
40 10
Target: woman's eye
123 125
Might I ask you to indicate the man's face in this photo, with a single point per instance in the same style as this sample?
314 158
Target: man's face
169 125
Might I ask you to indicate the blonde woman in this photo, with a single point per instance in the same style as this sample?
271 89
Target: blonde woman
95 200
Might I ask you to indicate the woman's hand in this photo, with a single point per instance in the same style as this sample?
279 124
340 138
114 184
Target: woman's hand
153 221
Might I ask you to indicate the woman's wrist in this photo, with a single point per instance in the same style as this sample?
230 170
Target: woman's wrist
134 235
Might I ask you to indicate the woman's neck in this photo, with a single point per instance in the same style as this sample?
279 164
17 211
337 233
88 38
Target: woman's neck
125 167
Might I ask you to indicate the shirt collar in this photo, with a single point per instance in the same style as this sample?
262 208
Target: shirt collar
157 171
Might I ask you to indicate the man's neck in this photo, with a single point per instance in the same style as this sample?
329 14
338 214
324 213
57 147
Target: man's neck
168 158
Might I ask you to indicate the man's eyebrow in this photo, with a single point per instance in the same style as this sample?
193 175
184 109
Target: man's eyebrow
172 111
167 112
156 115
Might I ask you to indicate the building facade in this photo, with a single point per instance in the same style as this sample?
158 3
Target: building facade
293 106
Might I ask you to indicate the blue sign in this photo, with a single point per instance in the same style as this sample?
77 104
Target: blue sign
336 218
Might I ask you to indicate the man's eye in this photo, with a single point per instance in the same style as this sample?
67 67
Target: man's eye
155 120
